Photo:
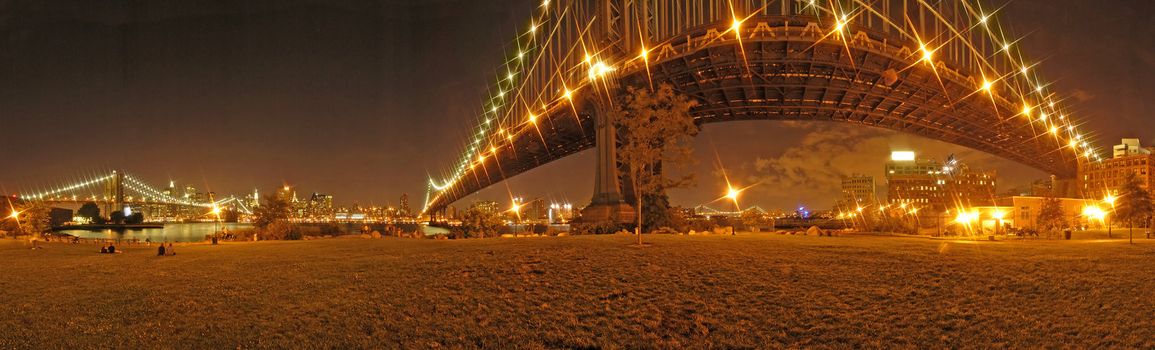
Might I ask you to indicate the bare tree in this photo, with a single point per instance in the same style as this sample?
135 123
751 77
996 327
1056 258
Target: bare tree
657 130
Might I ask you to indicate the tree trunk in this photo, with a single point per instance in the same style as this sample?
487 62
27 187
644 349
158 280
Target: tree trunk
638 198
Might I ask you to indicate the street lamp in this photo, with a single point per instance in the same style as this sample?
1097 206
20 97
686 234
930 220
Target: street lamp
1093 212
516 209
732 193
1110 200
998 216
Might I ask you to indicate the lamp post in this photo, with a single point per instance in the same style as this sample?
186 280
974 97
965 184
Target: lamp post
732 193
217 212
1110 200
516 209
16 216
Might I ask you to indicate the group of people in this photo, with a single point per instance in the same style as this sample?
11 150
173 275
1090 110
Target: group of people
109 248
165 251
162 250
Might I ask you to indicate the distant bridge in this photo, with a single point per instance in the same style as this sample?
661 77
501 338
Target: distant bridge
116 189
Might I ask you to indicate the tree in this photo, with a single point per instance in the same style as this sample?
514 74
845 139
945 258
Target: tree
477 223
135 218
753 220
90 211
657 131
1051 217
1136 205
116 217
35 218
275 209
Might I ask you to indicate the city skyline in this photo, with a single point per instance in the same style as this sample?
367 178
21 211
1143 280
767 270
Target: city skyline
384 131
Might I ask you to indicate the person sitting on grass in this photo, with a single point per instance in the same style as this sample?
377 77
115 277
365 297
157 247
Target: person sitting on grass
160 250
169 251
112 249
104 249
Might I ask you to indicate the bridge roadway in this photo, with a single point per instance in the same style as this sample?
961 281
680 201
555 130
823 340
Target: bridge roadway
788 69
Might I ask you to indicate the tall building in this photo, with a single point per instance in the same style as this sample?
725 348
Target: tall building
926 183
560 213
535 211
404 210
914 181
857 190
1104 178
488 207
320 207
287 194
1129 147
255 200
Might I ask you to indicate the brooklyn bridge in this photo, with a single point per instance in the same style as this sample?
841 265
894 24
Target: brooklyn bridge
944 70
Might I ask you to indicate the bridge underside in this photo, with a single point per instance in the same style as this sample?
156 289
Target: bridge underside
791 74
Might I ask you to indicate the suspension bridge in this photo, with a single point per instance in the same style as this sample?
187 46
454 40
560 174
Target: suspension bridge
116 190
944 70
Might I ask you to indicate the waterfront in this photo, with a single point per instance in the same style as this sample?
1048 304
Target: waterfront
193 232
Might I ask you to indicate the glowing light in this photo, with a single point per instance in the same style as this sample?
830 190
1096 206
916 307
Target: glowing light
532 118
736 25
1094 212
987 84
983 19
510 76
732 193
533 28
927 54
520 55
480 157
216 210
1043 116
493 149
966 217
1006 47
1027 110
1023 70
902 156
599 69
567 94
494 109
999 215
840 23
1110 199
14 215
645 55
1054 130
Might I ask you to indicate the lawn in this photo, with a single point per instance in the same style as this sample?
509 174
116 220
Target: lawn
745 291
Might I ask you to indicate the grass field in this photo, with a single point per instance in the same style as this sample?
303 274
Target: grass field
745 291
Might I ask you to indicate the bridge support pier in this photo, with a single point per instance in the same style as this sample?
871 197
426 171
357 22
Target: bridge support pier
608 204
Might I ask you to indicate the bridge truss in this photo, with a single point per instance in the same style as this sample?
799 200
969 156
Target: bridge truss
945 70
115 190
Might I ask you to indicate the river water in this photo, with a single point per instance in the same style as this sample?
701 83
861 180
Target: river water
195 232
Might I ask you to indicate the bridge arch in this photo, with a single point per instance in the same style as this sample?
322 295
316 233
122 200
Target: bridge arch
856 67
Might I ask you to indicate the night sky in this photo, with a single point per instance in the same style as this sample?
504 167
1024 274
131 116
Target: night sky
363 99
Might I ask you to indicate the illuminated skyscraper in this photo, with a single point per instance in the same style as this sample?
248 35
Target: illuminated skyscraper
404 210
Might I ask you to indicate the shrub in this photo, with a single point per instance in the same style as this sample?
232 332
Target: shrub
597 228
280 230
